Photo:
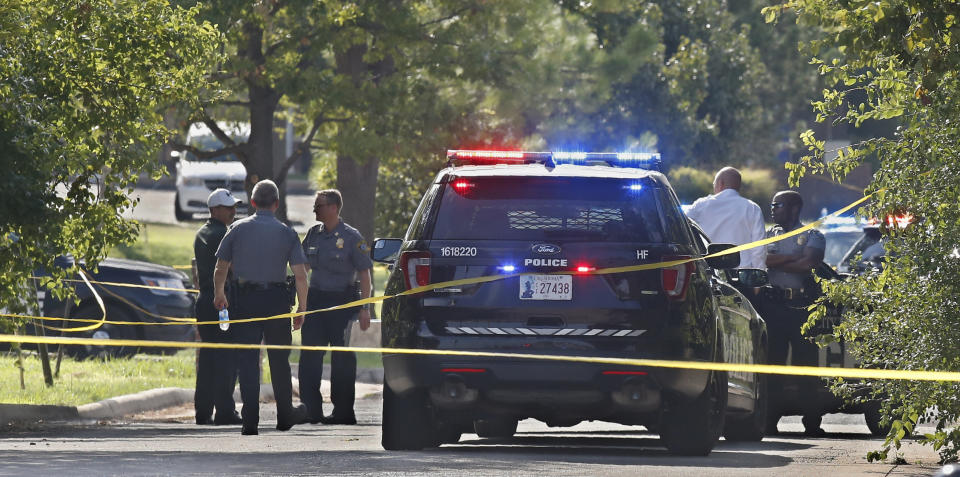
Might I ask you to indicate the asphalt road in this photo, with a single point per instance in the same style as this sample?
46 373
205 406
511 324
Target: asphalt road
156 206
168 443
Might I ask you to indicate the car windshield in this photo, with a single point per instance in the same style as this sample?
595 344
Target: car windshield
838 242
541 208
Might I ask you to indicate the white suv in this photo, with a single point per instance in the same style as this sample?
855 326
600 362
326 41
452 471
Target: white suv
197 178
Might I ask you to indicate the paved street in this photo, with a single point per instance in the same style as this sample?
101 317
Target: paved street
167 443
156 205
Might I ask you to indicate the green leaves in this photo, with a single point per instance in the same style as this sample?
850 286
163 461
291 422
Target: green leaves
84 84
897 60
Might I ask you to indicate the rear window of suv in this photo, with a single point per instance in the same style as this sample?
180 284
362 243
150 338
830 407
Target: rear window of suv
545 208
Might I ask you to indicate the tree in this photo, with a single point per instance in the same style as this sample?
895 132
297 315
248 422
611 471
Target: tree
715 85
81 84
367 81
897 59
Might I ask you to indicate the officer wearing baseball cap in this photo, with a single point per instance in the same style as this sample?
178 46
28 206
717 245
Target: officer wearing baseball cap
216 368
257 250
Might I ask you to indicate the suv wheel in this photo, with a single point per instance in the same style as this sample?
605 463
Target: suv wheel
753 426
407 421
106 331
693 427
873 415
178 212
501 427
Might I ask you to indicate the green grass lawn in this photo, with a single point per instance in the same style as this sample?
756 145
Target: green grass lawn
83 382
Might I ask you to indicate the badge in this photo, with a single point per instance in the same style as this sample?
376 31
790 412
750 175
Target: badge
802 239
340 242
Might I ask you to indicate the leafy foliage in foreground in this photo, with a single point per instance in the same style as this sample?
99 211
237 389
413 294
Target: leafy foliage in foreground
898 59
82 85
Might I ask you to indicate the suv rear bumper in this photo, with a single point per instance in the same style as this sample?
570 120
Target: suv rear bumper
539 388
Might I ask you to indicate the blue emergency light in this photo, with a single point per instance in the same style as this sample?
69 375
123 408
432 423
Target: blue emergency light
639 160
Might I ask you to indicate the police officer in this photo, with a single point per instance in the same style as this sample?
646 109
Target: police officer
216 368
338 256
259 248
790 263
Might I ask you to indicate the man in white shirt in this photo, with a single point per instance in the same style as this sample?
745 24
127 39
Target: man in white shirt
726 217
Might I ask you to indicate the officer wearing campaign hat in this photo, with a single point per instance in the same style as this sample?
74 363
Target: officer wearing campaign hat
216 368
257 251
338 257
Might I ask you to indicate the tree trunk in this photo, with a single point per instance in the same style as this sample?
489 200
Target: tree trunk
358 184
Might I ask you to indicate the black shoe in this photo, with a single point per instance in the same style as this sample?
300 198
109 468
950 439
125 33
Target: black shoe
231 419
204 421
317 420
249 431
814 432
298 415
347 420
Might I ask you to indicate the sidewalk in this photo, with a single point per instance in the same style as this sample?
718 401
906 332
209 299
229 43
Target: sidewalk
368 386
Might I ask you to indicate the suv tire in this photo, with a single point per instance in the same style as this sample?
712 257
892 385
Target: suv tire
495 428
180 214
408 423
105 331
693 427
751 427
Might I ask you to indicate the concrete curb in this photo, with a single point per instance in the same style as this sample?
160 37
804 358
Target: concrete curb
20 413
135 403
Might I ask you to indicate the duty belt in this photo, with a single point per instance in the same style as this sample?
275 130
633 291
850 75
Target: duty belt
251 286
791 293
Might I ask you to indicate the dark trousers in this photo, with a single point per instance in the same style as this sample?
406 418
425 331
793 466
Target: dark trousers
216 368
251 303
784 319
330 328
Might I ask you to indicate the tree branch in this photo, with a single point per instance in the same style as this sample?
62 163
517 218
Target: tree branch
215 129
245 104
300 149
451 16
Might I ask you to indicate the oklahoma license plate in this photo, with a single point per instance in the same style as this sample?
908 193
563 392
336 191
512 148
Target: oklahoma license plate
546 287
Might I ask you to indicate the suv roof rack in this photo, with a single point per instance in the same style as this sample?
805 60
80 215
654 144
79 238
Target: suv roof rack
639 160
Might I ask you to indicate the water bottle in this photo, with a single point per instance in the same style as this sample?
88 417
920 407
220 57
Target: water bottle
224 317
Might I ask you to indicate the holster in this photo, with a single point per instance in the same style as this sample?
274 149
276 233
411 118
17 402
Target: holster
291 289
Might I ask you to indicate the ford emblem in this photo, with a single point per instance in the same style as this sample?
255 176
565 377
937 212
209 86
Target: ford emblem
546 249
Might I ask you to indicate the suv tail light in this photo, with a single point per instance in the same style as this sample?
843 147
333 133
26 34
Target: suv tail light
676 279
416 268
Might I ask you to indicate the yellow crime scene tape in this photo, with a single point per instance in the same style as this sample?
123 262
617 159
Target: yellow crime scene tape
852 373
855 373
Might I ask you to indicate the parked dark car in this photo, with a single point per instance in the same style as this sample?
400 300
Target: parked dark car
127 304
555 218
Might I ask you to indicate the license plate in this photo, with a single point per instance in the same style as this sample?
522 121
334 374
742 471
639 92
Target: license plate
546 287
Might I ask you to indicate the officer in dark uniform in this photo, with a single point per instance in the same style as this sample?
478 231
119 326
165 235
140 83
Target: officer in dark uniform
790 264
259 248
216 368
338 256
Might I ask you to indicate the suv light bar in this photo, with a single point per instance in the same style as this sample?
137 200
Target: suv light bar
640 160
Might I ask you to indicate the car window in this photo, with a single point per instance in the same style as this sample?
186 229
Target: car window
545 208
677 228
419 221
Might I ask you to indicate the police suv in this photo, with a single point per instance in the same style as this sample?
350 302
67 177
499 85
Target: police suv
555 226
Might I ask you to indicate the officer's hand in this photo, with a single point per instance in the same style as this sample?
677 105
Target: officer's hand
297 322
364 320
220 302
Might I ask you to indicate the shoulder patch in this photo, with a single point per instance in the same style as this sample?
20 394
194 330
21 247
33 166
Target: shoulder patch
362 245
